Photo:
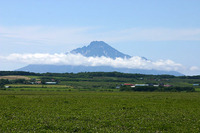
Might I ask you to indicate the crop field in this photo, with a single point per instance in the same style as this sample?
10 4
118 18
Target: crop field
77 111
25 87
14 77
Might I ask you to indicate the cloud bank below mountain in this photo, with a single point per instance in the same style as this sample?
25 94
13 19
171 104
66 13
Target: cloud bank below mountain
134 62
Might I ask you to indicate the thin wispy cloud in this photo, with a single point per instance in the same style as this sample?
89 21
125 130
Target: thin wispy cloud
60 35
156 34
45 35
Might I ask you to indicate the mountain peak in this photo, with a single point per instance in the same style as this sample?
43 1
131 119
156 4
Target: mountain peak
98 49
98 43
101 45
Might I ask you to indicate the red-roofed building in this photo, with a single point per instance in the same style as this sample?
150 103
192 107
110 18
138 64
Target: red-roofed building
167 85
127 84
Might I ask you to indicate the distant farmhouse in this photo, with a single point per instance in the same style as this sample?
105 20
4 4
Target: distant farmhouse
141 85
50 83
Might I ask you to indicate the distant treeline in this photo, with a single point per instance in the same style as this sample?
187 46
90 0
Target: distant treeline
5 73
159 89
94 74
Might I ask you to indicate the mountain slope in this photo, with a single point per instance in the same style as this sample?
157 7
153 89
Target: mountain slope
98 49
76 69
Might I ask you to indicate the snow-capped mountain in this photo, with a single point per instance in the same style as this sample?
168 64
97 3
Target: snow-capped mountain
94 49
98 49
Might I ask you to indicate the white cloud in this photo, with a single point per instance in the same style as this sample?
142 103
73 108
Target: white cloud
135 62
194 68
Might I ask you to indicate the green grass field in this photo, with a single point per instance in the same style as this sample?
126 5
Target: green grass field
42 111
29 87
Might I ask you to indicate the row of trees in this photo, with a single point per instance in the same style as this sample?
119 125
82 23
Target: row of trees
159 89
6 73
95 74
85 74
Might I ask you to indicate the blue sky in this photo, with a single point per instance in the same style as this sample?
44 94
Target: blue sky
154 29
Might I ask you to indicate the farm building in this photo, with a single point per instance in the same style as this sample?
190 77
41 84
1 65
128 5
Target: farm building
50 83
167 85
127 84
117 87
156 85
38 82
141 84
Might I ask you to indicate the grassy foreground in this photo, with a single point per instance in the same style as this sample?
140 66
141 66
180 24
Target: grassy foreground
36 111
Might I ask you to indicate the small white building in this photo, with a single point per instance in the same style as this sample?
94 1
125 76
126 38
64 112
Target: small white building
141 85
117 87
156 85
50 83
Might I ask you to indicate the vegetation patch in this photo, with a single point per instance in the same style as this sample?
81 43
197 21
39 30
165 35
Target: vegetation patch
160 89
40 111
